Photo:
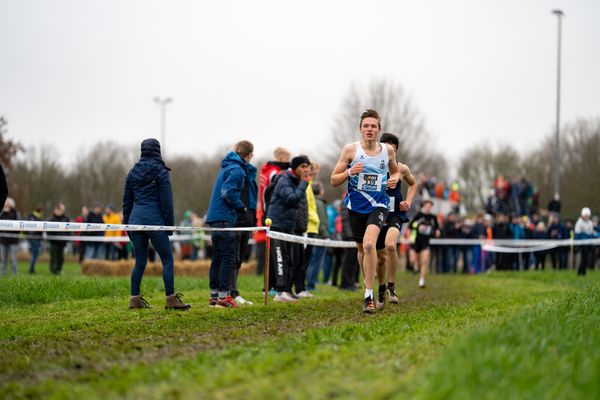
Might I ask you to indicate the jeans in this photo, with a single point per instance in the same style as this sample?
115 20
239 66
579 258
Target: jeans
34 246
92 250
314 266
242 250
224 256
9 251
160 241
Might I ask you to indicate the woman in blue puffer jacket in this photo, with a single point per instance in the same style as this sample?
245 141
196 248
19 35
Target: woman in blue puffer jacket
148 200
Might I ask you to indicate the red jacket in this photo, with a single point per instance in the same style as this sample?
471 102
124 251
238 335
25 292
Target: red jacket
267 172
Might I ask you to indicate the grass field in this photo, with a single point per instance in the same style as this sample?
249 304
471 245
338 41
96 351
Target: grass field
531 335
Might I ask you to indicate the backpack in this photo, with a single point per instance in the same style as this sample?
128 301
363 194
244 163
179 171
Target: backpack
267 194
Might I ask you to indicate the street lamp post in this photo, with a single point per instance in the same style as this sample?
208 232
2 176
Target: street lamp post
163 134
559 15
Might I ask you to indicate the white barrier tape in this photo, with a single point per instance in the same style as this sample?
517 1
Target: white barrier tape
312 241
514 250
41 226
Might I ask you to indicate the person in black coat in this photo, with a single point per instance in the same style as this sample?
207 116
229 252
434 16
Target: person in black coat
9 245
148 200
289 192
3 186
57 247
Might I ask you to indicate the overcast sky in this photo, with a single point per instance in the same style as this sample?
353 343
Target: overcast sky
76 72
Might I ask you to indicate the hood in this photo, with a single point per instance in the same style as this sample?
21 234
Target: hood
251 171
279 164
231 159
146 170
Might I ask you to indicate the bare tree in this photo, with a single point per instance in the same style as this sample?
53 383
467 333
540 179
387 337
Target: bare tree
399 116
38 179
478 168
8 148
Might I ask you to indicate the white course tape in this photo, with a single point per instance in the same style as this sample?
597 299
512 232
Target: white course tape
312 241
40 226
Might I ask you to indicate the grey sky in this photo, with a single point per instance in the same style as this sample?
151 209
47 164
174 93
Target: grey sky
75 72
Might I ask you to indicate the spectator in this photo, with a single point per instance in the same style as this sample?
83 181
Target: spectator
225 205
245 219
9 245
540 233
584 229
333 255
92 249
186 245
3 186
557 231
35 238
57 247
312 231
501 230
280 163
554 205
112 218
284 206
148 200
318 252
80 245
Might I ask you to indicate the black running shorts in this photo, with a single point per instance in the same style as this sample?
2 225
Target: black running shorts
394 222
359 222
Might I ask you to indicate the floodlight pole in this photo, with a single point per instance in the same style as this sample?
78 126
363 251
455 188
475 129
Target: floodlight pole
559 15
163 115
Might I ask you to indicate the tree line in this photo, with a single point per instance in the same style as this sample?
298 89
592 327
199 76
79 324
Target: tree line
36 175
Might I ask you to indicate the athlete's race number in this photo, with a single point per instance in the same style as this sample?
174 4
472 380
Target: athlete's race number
370 182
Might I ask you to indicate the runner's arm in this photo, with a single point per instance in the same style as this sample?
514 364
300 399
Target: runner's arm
412 186
341 172
393 168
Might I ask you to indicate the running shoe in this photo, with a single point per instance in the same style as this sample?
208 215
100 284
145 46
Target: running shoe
305 294
422 283
241 300
212 302
392 296
380 302
369 306
285 297
226 302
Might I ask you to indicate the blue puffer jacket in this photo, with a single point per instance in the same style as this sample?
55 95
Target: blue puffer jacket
148 197
225 199
283 207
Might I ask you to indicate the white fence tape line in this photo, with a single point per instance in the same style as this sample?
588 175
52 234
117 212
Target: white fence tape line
312 241
41 226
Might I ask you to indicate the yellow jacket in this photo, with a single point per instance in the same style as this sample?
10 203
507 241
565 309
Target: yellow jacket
313 216
113 219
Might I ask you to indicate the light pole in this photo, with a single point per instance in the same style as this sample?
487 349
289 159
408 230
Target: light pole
559 14
163 133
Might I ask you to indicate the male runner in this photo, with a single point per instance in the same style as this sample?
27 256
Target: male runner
366 164
424 226
387 242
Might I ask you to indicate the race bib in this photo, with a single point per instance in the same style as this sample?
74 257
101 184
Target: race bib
369 182
392 205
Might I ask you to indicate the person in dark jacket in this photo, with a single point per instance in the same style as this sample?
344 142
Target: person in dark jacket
245 219
35 238
92 249
3 186
148 200
223 210
9 245
286 216
57 247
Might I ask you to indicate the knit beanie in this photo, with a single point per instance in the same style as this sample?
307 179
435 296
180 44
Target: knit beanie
299 160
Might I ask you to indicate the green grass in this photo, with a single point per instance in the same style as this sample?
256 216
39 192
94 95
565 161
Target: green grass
525 335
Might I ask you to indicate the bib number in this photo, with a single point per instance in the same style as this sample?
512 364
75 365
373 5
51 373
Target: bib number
392 205
369 182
